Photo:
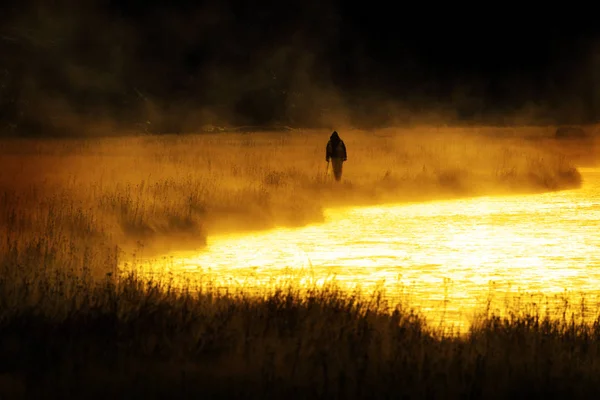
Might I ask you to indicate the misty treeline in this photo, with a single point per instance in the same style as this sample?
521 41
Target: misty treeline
76 67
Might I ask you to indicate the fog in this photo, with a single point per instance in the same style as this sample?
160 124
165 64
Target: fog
161 193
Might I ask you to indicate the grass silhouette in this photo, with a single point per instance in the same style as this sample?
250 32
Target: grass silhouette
69 336
72 326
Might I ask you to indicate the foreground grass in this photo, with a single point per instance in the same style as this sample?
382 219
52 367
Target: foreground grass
63 336
72 202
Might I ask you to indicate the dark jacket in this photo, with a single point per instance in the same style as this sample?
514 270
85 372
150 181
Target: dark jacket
335 148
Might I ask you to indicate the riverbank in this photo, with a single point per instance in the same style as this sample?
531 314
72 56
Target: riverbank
72 338
69 202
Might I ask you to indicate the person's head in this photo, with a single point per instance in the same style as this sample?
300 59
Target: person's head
335 135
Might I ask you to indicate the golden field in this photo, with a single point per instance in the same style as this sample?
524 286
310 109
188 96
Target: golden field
70 203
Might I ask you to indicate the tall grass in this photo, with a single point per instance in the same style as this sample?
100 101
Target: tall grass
66 336
80 202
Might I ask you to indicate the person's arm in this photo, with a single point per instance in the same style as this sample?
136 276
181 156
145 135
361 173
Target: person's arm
328 151
345 154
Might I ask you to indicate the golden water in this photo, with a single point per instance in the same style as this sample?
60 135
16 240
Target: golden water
447 259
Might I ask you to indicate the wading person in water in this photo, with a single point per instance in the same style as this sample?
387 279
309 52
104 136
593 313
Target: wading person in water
336 152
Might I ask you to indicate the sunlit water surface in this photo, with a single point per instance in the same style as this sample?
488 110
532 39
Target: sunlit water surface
447 259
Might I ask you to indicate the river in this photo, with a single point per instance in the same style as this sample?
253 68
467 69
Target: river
447 259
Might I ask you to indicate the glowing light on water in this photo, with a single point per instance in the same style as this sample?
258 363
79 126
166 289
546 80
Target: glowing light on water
446 258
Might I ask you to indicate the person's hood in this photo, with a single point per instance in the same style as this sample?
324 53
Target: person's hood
335 136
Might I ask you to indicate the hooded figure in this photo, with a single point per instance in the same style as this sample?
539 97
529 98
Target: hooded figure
336 151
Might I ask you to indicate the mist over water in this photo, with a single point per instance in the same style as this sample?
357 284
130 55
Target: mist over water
448 259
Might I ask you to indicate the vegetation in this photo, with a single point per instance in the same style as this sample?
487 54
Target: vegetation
66 336
72 202
72 325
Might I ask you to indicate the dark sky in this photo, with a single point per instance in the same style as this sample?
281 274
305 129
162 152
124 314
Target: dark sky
181 64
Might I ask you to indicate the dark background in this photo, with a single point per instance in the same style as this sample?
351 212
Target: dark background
68 67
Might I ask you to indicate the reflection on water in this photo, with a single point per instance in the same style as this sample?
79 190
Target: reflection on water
447 258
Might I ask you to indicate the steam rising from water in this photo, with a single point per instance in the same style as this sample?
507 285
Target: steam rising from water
447 258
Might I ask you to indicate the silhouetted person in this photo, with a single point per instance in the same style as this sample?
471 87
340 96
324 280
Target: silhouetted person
336 152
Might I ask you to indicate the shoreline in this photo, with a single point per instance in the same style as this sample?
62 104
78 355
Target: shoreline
246 224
